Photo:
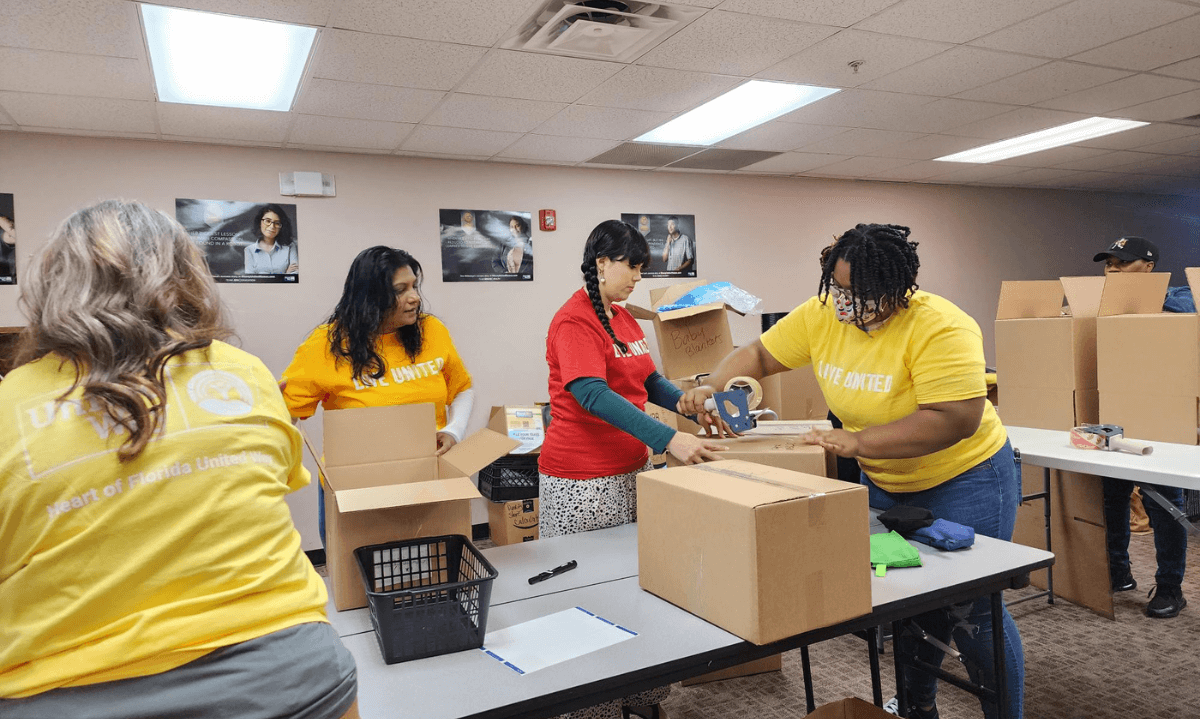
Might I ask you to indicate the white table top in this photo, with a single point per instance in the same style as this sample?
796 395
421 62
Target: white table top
1171 465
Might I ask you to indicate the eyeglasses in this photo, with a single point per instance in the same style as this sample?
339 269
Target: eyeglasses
272 223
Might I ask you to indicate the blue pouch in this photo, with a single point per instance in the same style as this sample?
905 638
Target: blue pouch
944 534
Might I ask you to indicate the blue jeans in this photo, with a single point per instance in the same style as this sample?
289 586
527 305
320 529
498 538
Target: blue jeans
1170 537
984 498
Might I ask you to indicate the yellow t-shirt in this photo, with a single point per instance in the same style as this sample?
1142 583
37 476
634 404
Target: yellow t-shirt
113 570
930 352
316 377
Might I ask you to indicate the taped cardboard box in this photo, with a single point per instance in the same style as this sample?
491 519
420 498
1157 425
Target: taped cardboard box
692 340
762 552
1046 353
384 483
1148 361
513 522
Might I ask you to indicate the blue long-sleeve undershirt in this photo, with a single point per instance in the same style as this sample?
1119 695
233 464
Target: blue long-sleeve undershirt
595 396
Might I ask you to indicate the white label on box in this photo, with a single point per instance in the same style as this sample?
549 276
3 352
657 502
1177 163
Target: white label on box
525 426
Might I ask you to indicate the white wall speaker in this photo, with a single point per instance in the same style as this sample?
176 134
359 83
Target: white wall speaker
306 184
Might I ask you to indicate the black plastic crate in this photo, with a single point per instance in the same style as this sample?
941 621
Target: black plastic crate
513 476
427 596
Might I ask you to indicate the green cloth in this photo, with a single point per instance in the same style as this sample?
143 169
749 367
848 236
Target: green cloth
892 550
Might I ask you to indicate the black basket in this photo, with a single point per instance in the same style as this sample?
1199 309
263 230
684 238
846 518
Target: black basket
427 596
513 476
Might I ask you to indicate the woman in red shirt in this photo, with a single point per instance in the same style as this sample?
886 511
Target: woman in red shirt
601 376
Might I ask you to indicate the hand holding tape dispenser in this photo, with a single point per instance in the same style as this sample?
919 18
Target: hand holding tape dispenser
1107 437
736 404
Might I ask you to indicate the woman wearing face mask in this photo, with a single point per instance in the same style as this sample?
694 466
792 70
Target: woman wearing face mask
904 370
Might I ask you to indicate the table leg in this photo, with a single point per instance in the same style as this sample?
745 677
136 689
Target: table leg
1049 570
810 702
901 689
1000 670
873 652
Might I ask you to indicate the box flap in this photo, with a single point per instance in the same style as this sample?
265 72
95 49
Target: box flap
1083 294
640 313
1036 298
1134 293
478 451
367 435
666 295
748 484
692 311
403 495
1193 280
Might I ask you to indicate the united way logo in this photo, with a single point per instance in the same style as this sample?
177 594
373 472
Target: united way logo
221 393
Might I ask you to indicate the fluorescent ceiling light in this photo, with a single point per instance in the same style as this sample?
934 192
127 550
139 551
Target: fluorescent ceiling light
738 110
1044 140
202 58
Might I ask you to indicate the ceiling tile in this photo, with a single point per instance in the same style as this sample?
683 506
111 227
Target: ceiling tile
1054 157
840 13
344 132
96 27
222 141
937 116
1153 48
929 147
91 133
1049 81
643 154
557 149
1021 121
223 122
859 142
441 156
1167 109
366 102
1183 166
79 113
853 108
1092 180
1189 69
1038 175
734 44
382 60
975 173
860 166
1083 25
530 76
505 114
915 171
1105 161
603 123
482 22
300 12
780 136
792 162
457 141
59 73
1141 136
335 148
1183 146
954 71
1126 92
828 62
657 89
954 21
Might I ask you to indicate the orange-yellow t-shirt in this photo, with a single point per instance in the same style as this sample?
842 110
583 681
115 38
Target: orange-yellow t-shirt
930 352
110 569
316 377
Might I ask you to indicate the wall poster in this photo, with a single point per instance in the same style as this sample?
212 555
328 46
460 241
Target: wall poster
672 241
486 246
244 241
8 240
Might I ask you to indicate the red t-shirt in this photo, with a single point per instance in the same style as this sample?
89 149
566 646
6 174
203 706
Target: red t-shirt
580 445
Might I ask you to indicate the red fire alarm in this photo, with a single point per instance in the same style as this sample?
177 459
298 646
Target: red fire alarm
546 220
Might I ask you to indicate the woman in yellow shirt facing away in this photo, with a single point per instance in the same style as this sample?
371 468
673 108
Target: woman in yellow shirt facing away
379 348
150 567
904 370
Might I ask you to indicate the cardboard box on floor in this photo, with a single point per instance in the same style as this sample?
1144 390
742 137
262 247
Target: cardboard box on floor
773 663
720 541
692 340
385 483
1148 361
852 708
513 522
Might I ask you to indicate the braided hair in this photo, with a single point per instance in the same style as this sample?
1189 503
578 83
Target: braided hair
883 267
618 241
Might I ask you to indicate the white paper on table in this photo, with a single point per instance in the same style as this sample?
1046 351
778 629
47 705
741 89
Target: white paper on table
552 639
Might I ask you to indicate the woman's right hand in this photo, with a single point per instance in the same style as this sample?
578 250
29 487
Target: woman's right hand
692 401
690 449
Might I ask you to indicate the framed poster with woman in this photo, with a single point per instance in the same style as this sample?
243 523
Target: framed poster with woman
8 240
244 241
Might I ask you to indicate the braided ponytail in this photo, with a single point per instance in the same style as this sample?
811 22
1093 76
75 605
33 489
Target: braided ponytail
618 241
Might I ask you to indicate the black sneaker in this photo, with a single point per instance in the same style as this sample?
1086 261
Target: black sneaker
1122 582
1166 601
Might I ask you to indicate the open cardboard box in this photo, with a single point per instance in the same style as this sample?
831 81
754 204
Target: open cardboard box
1148 361
762 552
522 423
692 340
385 483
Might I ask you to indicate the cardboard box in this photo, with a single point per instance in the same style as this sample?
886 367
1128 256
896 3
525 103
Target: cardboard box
385 483
800 396
513 522
762 552
852 708
1046 354
773 663
668 418
1148 361
692 340
522 423
774 451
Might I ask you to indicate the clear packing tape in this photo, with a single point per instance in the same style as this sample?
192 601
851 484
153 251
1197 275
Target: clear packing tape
734 296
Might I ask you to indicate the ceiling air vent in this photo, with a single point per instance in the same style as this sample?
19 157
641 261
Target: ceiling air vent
600 29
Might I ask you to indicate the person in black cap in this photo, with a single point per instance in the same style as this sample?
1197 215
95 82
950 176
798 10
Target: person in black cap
1137 254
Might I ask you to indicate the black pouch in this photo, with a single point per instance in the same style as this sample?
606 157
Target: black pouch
905 519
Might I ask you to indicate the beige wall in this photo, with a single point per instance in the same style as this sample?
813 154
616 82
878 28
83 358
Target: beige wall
760 233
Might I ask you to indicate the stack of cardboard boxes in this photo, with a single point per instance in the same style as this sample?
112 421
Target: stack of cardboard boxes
513 519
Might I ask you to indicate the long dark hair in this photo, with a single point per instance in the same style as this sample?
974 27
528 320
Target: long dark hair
285 236
617 241
883 266
367 299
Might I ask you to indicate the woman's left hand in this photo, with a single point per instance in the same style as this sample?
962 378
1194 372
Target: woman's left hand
838 441
292 268
445 441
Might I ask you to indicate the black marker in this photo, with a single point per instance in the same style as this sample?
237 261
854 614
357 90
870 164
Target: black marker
557 570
